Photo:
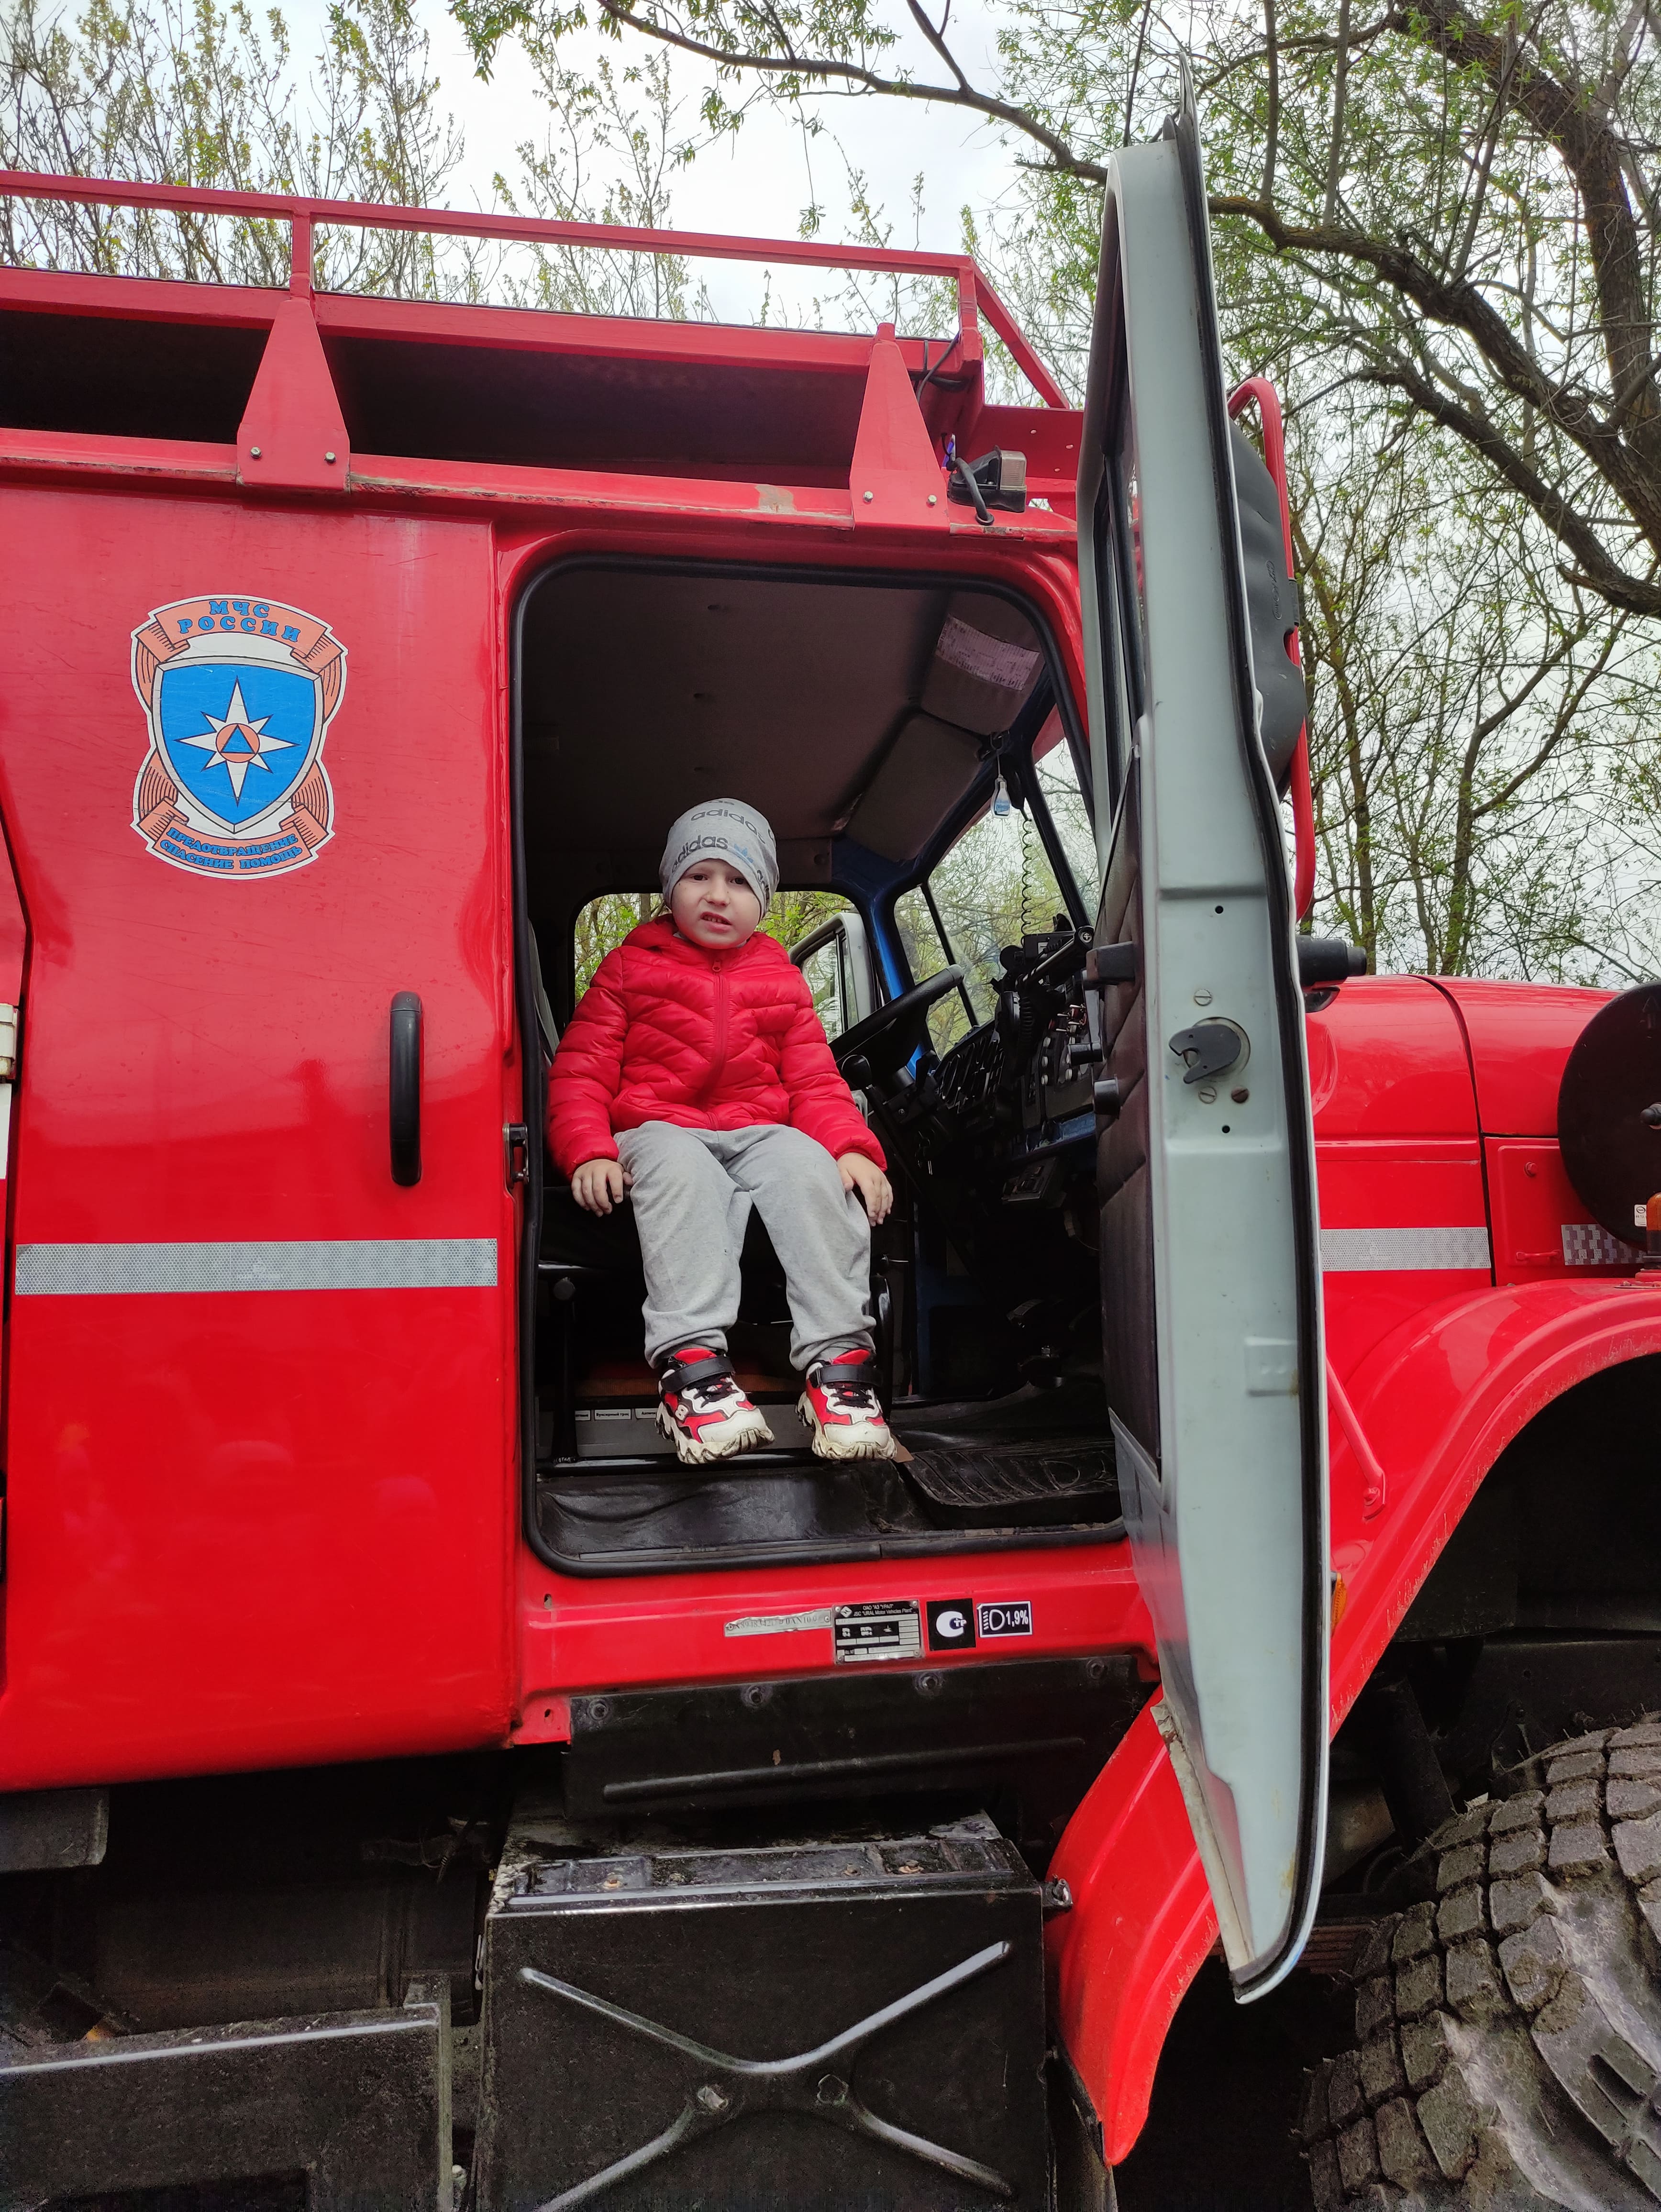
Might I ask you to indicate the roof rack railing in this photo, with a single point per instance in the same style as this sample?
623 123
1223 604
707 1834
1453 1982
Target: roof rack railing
976 297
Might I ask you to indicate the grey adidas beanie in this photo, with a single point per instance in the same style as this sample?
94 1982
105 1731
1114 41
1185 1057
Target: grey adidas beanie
723 829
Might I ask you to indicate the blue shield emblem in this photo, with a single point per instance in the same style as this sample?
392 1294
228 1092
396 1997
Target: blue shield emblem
238 694
238 736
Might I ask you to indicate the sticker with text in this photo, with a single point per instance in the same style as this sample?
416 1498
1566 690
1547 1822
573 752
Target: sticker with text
778 1624
1013 1617
884 1629
951 1624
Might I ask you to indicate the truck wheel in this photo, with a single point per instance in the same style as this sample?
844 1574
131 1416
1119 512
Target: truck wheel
1508 2024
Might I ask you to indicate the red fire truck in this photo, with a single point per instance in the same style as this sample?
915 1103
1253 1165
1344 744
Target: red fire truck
419 1789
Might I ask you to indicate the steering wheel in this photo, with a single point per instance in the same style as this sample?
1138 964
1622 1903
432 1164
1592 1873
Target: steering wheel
887 1039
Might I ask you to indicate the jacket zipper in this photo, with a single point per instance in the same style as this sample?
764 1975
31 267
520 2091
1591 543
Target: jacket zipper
718 1054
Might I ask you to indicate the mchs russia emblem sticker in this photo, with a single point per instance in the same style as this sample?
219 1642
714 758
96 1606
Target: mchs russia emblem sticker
239 694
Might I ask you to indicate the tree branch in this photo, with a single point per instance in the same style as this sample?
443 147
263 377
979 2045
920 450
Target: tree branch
1567 118
1061 155
1562 722
1340 86
1272 129
1571 529
937 39
1462 306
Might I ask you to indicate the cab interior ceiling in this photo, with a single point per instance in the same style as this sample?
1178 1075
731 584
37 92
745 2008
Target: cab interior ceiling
830 706
863 710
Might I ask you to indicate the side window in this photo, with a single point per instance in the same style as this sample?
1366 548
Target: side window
1070 816
601 926
825 970
835 957
796 914
1115 609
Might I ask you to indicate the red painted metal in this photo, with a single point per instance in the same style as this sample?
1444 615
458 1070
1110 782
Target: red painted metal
247 1530
14 960
1520 1036
1142 1925
1434 1372
579 1636
1442 1400
976 297
292 434
1375 1494
252 1530
1257 392
895 480
140 299
1542 1229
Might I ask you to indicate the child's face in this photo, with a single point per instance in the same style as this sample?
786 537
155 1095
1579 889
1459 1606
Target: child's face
713 906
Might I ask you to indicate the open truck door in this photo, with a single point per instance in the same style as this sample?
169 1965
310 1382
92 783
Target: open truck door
1206 1172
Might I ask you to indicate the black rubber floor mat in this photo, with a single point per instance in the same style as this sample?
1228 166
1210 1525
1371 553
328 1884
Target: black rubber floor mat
996 1484
770 1503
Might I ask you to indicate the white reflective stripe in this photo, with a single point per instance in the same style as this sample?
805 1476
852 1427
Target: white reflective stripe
1353 1251
378 1263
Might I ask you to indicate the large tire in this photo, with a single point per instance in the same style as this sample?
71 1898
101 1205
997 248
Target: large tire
1508 2025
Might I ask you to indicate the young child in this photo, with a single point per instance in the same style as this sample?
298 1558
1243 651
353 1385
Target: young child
695 1074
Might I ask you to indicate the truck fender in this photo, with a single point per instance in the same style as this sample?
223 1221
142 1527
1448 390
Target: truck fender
1438 1400
1141 1923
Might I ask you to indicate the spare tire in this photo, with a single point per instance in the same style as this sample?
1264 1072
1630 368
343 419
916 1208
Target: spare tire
1508 2023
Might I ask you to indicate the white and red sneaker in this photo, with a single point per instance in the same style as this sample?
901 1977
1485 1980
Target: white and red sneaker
702 1411
841 1406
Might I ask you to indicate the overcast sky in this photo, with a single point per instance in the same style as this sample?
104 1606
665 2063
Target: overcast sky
757 183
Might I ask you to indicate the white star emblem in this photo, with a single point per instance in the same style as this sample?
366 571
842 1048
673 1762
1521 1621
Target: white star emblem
238 741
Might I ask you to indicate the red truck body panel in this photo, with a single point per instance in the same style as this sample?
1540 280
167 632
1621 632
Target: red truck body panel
246 1530
1519 1036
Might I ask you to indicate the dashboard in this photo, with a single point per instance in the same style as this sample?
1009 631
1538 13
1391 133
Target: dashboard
1015 1096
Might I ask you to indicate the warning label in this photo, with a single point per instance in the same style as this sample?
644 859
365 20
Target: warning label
1012 1618
884 1629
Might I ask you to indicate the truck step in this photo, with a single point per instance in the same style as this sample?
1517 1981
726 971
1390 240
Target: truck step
805 2025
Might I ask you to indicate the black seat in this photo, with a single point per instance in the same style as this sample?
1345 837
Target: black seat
584 1255
576 1243
606 1244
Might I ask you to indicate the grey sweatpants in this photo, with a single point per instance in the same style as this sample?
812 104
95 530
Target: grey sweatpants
693 1189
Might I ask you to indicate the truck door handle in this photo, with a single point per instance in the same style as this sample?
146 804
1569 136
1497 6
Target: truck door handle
403 1088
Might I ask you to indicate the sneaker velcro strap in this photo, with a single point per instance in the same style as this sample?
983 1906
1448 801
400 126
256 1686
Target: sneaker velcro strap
677 1376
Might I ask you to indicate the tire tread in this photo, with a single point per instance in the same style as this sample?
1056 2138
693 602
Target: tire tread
1508 2021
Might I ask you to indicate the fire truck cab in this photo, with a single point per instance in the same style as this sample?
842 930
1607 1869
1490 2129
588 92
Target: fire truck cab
418 1788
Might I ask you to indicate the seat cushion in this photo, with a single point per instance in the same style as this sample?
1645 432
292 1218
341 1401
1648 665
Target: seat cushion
610 1243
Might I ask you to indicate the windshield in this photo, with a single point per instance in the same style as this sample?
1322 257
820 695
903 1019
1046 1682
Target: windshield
602 924
996 885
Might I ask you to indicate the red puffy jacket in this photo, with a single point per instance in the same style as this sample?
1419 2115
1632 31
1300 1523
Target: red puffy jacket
668 1032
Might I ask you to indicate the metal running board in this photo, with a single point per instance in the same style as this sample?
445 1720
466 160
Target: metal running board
358 2102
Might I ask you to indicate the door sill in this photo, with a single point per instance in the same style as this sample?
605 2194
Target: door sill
772 1509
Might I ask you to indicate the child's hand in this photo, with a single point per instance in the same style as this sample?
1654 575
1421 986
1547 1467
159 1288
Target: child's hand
872 1185
599 1185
